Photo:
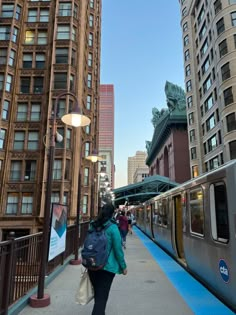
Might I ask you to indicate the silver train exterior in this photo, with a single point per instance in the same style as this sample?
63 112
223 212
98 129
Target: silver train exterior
196 224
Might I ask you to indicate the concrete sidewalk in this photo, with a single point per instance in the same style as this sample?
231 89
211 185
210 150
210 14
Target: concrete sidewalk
145 290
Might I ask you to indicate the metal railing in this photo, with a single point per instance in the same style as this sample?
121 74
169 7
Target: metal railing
20 261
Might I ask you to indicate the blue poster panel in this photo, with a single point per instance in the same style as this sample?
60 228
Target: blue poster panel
57 243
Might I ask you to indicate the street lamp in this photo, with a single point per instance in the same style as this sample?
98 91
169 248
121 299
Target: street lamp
94 157
75 118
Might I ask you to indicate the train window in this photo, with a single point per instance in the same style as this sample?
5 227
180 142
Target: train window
155 213
219 212
196 211
164 211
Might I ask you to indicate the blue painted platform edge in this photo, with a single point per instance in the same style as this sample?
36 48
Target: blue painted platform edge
202 302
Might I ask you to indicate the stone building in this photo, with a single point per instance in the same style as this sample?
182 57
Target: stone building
46 47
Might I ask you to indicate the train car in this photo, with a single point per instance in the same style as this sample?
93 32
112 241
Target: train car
196 223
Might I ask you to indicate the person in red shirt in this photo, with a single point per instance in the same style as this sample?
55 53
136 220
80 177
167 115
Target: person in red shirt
123 227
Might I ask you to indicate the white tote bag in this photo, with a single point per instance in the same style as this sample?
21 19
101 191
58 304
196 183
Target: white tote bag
85 291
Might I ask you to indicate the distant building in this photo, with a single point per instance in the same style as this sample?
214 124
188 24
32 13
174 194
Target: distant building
135 162
106 129
168 153
209 42
140 174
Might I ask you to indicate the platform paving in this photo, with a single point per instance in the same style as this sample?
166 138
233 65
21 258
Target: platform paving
145 290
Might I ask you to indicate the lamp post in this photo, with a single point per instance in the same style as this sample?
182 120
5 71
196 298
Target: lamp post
93 158
75 118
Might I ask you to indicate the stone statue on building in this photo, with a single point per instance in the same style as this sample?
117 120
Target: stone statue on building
148 146
175 96
157 114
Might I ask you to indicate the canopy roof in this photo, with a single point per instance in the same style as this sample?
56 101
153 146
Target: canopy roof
142 191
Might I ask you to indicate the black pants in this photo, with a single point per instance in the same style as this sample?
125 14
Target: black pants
101 281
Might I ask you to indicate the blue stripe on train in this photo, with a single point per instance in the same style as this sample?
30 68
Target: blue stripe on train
198 298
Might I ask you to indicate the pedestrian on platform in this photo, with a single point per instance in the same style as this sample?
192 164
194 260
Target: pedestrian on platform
123 227
102 279
129 222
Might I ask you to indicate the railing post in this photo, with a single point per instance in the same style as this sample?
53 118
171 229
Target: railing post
8 274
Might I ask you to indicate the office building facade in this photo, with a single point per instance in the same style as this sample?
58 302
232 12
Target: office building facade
135 162
209 47
106 129
46 47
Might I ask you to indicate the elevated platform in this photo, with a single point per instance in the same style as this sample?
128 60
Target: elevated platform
155 284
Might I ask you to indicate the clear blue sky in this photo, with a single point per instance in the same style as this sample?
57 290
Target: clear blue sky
141 50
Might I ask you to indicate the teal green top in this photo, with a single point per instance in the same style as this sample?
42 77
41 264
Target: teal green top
116 261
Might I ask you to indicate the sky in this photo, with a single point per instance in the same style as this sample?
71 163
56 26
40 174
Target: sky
141 50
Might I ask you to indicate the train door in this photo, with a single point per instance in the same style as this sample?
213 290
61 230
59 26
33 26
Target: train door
178 227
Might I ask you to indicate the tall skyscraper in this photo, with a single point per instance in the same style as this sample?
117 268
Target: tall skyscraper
46 47
106 129
209 42
134 163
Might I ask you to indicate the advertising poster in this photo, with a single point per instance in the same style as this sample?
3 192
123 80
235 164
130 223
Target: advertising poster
57 243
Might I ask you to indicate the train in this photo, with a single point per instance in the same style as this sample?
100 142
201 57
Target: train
195 223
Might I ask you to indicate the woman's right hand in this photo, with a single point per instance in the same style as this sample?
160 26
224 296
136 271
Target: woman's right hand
125 271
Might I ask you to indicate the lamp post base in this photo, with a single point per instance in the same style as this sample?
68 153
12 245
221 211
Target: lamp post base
75 262
37 303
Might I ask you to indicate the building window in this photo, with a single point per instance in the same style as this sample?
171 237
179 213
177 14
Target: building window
220 26
43 15
39 61
228 96
5 110
208 103
186 55
67 170
12 203
186 40
89 80
27 61
38 85
3 56
185 27
2 138
86 176
61 110
195 171
15 170
214 163
188 86
91 4
233 18
35 112
62 55
225 71
89 102
90 59
190 119
212 143
207 84
7 10
187 70
205 65
68 138
33 140
14 35
32 15
29 37
184 12
217 6
193 153
30 170
60 81
11 60
90 40
5 32
232 149
25 85
201 15
57 169
231 122
91 19
202 31
210 122
223 49
65 9
42 38
190 101
85 204
72 82
19 139
63 32
192 135
204 48
9 83
21 114
27 203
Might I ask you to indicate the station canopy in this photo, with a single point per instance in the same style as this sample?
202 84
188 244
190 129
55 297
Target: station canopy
138 193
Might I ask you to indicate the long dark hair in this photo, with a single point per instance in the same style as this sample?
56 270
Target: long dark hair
105 214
